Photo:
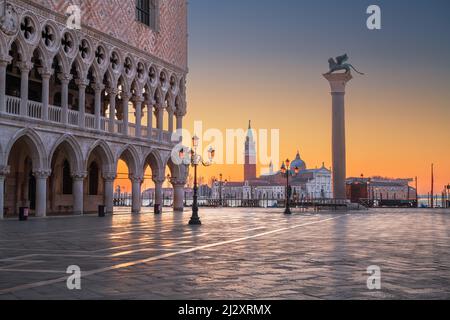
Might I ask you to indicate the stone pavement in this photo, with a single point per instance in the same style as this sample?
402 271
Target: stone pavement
235 254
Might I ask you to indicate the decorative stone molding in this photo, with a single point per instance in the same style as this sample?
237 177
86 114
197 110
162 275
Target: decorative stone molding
9 21
65 77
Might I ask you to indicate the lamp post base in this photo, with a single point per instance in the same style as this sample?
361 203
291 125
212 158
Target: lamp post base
287 211
195 221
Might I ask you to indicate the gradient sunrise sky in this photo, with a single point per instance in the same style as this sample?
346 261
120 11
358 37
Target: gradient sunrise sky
263 60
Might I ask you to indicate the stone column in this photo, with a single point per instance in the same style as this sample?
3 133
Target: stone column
171 114
78 192
98 104
149 118
3 65
136 193
138 107
160 117
25 68
158 193
109 192
125 100
65 79
179 122
45 75
178 194
338 83
4 171
41 177
82 85
112 93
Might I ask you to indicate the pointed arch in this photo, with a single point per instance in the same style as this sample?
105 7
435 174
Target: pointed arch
34 142
105 154
130 155
156 163
72 147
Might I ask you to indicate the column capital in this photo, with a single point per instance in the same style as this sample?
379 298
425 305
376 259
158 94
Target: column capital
45 72
79 175
4 171
109 176
178 182
25 66
136 178
42 173
158 180
180 113
98 87
125 95
338 81
137 99
82 83
5 60
65 77
112 91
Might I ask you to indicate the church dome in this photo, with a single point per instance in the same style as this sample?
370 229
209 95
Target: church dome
298 163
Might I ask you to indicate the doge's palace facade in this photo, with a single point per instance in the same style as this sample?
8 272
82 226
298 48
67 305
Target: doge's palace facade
73 102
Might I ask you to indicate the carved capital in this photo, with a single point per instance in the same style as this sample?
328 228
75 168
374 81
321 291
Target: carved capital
42 174
109 176
158 180
65 77
25 66
5 60
137 99
112 91
45 72
98 87
82 83
79 175
4 171
178 182
136 178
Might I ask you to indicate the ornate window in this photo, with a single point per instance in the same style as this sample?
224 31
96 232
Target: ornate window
147 12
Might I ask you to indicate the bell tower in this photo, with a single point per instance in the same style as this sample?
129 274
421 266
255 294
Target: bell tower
250 155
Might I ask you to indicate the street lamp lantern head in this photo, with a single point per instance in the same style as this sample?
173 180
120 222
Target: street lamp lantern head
288 162
297 170
211 153
195 140
283 168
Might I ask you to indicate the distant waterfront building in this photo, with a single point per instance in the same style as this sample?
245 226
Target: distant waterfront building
309 183
75 102
379 188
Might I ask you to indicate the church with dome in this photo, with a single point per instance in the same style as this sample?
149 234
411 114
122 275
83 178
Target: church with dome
307 184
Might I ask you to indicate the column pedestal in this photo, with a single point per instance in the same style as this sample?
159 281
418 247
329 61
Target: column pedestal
338 83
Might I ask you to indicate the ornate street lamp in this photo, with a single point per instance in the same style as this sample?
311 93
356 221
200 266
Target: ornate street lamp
221 184
194 160
286 170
